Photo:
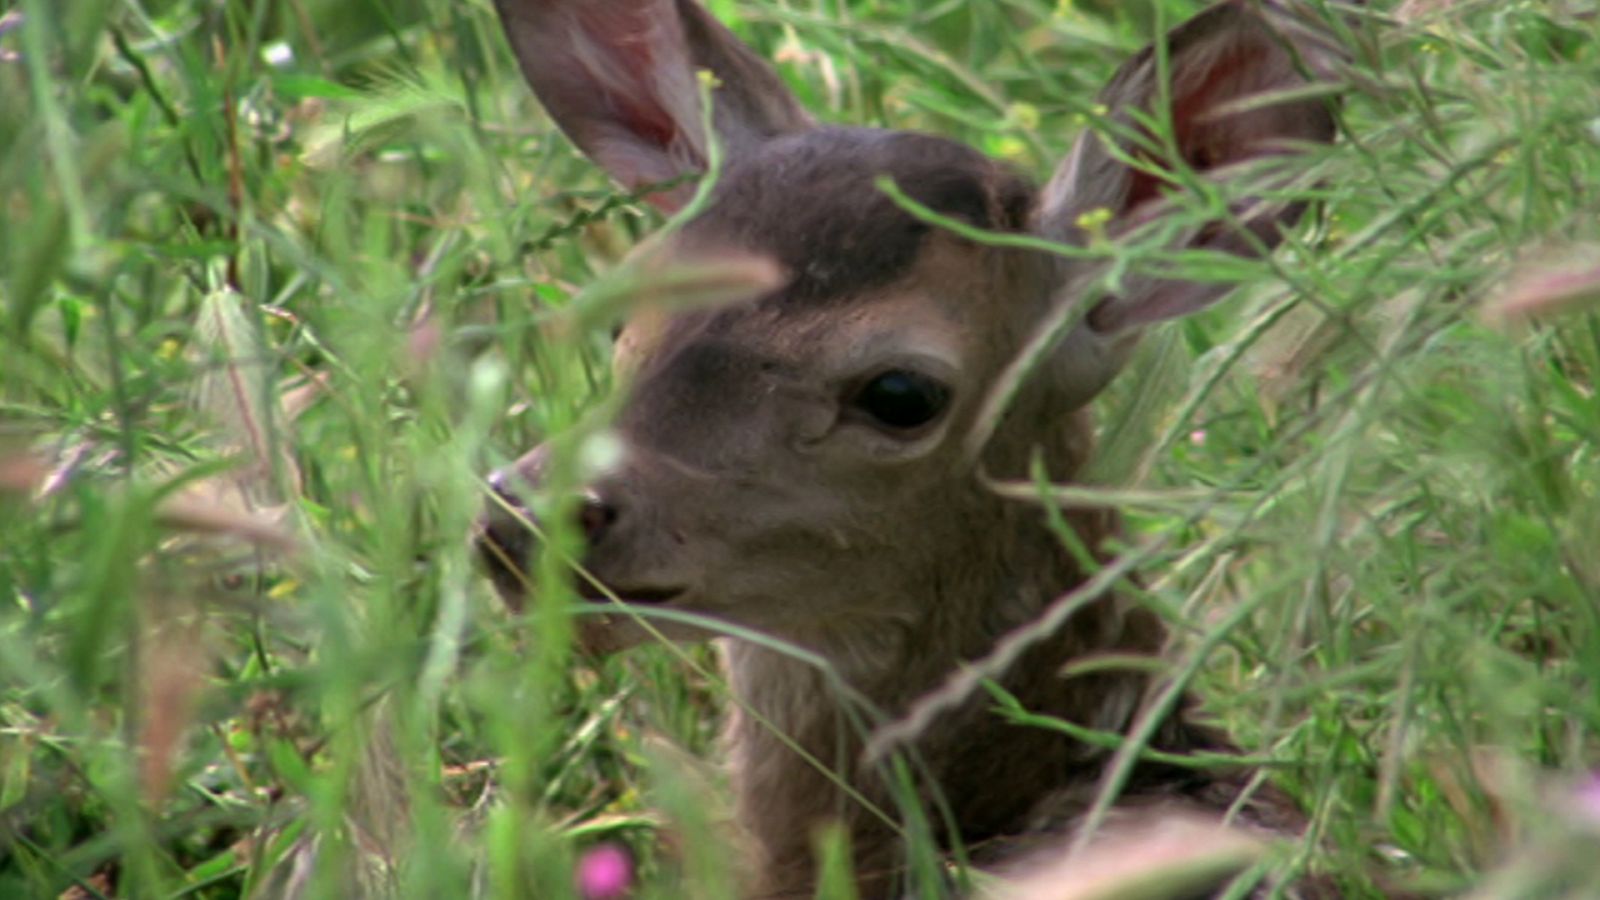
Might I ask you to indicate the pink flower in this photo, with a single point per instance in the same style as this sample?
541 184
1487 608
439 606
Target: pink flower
1586 800
605 872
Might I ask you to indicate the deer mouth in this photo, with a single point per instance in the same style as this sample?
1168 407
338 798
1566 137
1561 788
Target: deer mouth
502 552
600 592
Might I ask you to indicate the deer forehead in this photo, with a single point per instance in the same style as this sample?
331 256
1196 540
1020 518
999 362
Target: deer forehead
953 303
856 265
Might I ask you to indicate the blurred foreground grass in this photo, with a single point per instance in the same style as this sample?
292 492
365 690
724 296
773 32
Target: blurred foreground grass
296 273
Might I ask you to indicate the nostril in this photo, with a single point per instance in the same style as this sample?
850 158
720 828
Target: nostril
504 538
504 531
596 517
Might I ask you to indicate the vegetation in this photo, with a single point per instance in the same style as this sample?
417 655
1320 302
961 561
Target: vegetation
280 281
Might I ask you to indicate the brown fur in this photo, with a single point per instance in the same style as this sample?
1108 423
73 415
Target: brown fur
754 492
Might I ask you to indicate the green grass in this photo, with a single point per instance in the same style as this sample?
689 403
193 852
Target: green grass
365 204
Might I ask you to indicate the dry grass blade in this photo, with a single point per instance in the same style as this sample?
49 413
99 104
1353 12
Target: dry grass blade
233 391
658 282
1173 856
1555 281
1074 496
172 670
232 376
22 473
206 510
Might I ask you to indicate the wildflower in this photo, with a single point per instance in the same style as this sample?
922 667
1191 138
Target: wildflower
605 872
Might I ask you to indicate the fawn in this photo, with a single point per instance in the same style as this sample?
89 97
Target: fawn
810 462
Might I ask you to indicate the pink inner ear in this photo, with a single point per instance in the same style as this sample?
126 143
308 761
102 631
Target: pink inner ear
646 121
627 43
1201 139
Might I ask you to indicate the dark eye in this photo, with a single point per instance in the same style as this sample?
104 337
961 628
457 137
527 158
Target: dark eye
901 399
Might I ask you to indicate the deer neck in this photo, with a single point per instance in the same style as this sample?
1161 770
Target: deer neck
796 734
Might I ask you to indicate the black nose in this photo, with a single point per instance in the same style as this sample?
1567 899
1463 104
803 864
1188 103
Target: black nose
505 540
506 535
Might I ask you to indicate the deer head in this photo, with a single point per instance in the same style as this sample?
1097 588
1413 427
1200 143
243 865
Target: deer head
799 462
806 461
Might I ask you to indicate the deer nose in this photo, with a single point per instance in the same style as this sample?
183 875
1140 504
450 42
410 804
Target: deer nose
504 539
508 524
507 531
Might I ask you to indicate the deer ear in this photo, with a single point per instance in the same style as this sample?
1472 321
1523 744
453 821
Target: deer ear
619 77
1233 74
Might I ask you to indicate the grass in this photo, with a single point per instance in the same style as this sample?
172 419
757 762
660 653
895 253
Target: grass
340 241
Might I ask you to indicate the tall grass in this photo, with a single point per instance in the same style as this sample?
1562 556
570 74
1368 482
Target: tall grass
281 280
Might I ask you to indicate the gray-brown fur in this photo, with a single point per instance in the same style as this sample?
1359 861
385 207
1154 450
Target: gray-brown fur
756 490
861 239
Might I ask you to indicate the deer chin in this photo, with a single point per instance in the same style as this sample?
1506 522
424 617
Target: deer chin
512 582
618 618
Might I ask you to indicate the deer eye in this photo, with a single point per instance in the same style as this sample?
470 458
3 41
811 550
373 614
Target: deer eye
901 399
